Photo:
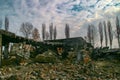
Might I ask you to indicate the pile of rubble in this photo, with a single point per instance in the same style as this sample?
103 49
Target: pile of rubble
47 66
64 70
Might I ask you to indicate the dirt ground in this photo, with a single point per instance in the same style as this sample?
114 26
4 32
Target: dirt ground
64 70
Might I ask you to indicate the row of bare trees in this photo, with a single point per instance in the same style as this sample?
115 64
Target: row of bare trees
52 34
28 30
106 32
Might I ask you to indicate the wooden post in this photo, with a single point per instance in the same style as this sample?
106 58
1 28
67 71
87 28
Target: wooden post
0 50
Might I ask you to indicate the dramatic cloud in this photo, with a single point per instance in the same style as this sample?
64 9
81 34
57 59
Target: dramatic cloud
77 13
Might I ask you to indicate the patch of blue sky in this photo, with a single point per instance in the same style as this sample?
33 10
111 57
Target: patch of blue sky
117 4
77 8
105 7
92 6
109 5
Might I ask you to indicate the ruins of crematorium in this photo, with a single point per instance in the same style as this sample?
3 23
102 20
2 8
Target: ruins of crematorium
63 46
17 45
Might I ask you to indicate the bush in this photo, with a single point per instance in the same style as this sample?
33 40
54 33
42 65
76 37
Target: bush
45 59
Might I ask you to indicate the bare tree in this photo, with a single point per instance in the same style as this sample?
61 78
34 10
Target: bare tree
118 30
67 31
55 32
47 35
36 35
110 33
91 34
43 31
0 23
105 31
51 31
26 29
101 33
6 23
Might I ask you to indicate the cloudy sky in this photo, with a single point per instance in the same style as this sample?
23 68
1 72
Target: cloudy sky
77 13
